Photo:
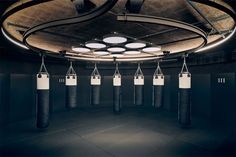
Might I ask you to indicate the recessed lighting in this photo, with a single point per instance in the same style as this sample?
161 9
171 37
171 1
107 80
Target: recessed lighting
135 45
152 49
132 52
101 52
116 49
95 45
80 49
114 39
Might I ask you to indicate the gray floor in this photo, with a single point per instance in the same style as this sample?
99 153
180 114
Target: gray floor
100 133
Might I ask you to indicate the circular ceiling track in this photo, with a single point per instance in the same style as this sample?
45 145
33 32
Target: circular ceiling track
98 52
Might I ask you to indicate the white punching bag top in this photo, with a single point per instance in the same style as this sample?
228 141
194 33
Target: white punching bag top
42 81
42 77
184 77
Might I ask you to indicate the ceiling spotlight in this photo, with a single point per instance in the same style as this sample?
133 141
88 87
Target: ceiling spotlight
114 39
101 53
135 45
116 49
152 49
132 52
95 45
80 49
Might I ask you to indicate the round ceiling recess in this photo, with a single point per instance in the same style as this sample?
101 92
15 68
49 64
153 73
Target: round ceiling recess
148 35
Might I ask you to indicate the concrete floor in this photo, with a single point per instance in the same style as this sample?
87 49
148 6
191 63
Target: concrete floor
100 133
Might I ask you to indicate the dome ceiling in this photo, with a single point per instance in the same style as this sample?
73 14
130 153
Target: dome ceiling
214 20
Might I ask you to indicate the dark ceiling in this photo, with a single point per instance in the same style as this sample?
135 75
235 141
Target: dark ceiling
63 37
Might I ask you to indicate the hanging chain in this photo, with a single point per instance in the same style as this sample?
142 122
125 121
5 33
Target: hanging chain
184 67
71 70
95 71
43 68
117 70
158 70
138 71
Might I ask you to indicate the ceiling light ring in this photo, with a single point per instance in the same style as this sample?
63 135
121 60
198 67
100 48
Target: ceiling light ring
55 55
167 22
84 17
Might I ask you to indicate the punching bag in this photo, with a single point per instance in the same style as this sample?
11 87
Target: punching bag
117 91
42 102
184 104
71 88
138 86
158 84
95 82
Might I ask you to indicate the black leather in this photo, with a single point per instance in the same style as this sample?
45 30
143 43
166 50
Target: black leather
138 94
95 95
184 107
117 99
42 115
157 99
71 96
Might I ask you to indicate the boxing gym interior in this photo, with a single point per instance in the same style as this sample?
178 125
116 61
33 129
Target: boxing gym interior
118 78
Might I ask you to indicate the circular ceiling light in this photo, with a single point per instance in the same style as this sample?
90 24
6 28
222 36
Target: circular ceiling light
95 45
135 45
116 49
114 39
132 52
80 49
100 52
152 49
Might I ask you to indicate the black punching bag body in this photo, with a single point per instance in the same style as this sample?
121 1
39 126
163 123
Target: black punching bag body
158 84
138 89
184 105
117 93
42 106
95 90
71 91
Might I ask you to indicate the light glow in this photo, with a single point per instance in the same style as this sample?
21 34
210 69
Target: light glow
116 49
100 52
80 49
152 49
135 45
95 45
13 41
114 39
217 43
117 55
132 52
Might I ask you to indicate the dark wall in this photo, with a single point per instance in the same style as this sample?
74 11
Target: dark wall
210 99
